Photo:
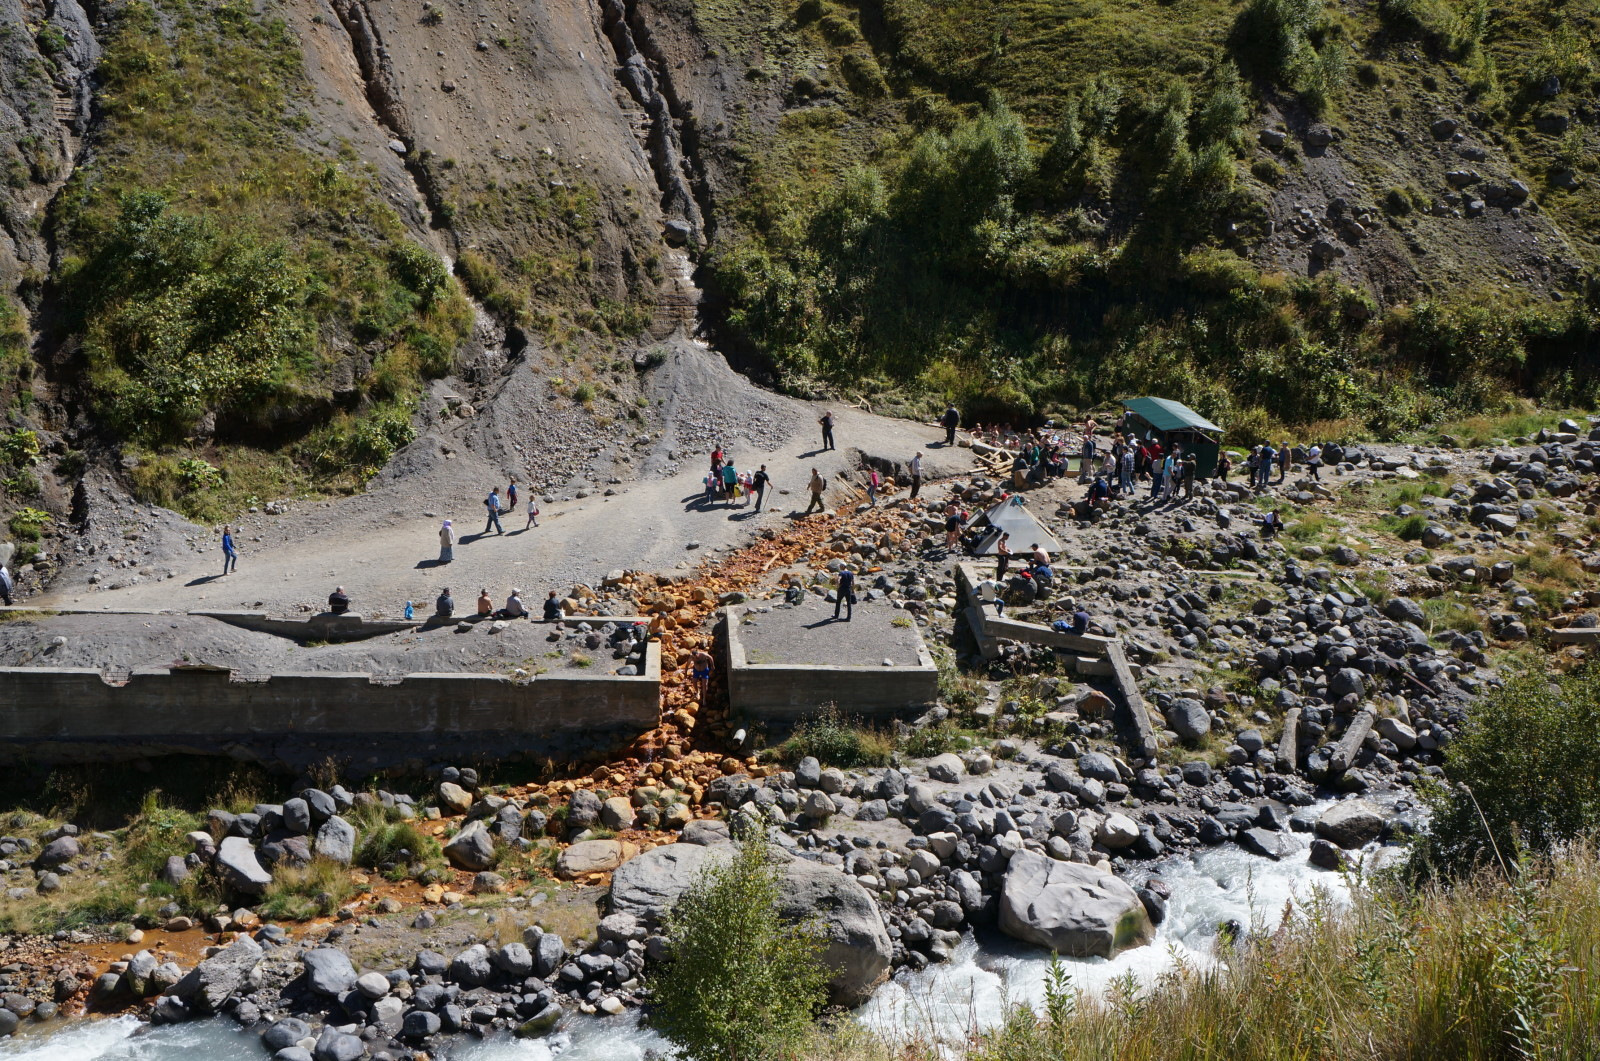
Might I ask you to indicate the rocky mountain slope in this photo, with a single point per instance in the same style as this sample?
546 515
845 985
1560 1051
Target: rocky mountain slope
252 250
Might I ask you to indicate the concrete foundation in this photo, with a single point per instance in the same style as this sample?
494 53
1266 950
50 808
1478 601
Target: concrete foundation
81 715
797 687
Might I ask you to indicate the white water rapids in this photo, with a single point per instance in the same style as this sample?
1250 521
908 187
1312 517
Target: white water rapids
944 1002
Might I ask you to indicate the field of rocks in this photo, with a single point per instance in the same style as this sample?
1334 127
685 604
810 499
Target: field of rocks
1305 684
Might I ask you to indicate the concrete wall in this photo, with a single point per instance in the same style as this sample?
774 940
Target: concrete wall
323 626
782 691
77 713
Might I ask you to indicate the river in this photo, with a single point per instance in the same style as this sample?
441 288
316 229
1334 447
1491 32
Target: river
944 1002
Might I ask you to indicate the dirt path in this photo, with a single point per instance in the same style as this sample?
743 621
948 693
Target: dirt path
383 545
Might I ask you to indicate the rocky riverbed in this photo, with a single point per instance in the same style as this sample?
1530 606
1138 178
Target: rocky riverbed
1305 684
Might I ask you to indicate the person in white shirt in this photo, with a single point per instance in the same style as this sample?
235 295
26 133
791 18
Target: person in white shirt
916 475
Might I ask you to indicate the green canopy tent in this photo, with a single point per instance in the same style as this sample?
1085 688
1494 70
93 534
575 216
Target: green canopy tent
1175 423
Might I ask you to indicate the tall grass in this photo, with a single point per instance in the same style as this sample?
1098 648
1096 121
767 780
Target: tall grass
1484 969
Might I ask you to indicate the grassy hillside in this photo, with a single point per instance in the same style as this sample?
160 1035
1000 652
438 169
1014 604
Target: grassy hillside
1029 204
246 312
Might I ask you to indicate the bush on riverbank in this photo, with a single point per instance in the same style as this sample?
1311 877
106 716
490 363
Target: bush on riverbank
1524 775
742 983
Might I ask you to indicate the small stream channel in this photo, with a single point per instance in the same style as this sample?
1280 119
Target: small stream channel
944 1002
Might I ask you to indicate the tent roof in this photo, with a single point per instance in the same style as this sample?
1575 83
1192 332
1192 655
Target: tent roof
1007 517
1166 415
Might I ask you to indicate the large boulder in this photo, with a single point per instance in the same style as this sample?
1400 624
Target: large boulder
336 840
857 948
453 799
617 813
1405 610
947 768
1188 718
228 972
240 869
1350 824
328 971
1074 909
593 856
648 886
472 848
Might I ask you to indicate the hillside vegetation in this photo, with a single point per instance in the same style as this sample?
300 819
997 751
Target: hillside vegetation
1036 204
232 272
230 288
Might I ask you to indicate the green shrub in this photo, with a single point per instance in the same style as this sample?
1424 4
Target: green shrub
19 448
1522 778
835 741
925 741
27 524
741 983
398 849
300 893
1407 529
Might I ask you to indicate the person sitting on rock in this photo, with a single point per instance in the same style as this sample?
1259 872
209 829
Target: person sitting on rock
514 608
552 608
338 601
1271 524
485 603
445 606
1080 620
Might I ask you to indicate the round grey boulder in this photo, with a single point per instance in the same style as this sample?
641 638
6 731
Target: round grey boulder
1074 909
328 971
373 985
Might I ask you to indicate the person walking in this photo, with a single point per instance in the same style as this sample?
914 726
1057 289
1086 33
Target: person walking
916 475
950 421
1125 471
1224 465
1285 460
492 505
846 594
952 526
1314 461
1002 557
826 420
816 486
230 555
872 487
533 512
730 482
447 542
761 481
701 672
511 495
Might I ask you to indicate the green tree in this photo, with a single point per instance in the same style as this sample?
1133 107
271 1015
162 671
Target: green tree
1524 776
742 984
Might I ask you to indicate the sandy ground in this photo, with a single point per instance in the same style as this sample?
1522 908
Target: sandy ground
382 546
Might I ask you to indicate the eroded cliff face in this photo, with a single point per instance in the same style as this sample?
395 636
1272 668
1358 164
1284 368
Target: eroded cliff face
47 53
